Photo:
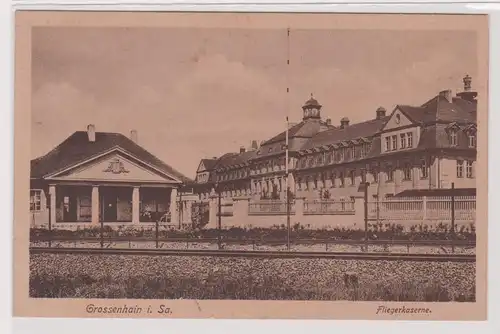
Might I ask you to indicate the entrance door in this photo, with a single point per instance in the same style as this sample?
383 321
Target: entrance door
69 209
109 208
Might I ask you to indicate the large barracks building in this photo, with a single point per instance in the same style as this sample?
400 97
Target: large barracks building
400 152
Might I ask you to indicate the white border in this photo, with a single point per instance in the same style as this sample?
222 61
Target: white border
55 326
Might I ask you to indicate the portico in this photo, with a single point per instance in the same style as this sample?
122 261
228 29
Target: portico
111 179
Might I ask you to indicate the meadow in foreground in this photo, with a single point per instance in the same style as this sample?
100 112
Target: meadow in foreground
172 277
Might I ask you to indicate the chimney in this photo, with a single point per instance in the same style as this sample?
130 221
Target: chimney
446 94
91 132
328 121
381 112
255 146
133 136
242 149
344 122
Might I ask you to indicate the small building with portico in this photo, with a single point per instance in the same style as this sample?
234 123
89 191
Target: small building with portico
101 176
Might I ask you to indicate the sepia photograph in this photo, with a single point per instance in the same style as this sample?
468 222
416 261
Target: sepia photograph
251 157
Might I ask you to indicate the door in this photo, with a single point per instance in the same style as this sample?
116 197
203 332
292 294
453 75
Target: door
108 204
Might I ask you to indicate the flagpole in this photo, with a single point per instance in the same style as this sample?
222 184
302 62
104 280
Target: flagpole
287 188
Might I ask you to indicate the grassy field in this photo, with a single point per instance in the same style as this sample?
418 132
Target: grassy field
171 277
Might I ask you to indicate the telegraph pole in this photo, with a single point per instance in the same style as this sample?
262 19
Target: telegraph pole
287 176
287 190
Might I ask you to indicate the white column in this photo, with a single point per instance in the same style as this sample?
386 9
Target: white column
95 205
52 192
135 205
173 206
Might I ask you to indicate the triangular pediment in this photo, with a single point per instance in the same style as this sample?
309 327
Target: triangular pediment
114 167
398 119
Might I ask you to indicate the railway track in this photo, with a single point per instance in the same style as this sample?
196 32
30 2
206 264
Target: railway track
261 254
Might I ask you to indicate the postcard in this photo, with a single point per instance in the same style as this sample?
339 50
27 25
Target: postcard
250 165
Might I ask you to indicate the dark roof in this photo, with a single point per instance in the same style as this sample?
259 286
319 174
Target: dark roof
304 129
437 192
439 109
312 102
209 163
357 130
77 148
233 159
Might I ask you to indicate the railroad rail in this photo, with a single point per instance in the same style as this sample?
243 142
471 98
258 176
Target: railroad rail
462 243
261 254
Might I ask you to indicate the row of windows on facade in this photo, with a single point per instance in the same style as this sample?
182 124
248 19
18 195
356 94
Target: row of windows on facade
268 166
312 182
354 152
407 174
406 141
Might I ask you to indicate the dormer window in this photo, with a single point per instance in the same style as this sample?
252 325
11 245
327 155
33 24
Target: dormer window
453 137
472 140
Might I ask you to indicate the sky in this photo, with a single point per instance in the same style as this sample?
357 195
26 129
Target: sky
195 93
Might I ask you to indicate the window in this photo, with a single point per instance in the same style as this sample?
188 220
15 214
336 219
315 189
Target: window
341 154
424 170
315 183
409 139
303 163
390 174
472 140
320 159
35 200
342 180
323 179
403 140
453 138
333 176
387 143
352 177
460 168
363 176
329 157
394 142
469 169
353 152
85 208
407 172
299 183
310 161
375 175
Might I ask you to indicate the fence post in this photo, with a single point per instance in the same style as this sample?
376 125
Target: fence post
424 208
219 218
50 220
157 225
453 217
366 215
102 231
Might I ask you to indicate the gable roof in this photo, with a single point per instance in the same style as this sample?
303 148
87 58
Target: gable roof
209 164
439 109
350 132
77 148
